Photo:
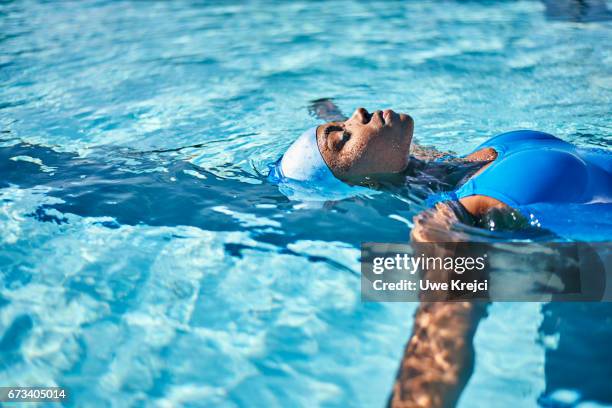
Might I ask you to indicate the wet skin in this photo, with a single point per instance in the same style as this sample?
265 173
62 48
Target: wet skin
438 359
366 143
379 143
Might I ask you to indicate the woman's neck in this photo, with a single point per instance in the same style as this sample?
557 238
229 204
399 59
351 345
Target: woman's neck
427 153
440 171
430 153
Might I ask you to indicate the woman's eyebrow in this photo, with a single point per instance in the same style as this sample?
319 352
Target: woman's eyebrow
332 127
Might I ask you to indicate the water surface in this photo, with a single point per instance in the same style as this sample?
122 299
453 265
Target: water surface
144 260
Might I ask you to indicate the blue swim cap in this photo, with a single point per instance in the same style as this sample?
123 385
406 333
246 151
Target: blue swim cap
303 174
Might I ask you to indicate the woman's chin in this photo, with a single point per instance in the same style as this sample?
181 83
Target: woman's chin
406 118
408 126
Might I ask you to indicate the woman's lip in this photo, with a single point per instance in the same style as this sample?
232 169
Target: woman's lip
387 116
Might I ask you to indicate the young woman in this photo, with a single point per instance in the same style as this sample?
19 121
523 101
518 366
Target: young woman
509 172
504 175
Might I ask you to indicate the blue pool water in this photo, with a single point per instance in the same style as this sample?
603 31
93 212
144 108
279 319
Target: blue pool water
144 259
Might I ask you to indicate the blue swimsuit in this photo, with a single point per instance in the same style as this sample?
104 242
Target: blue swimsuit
535 168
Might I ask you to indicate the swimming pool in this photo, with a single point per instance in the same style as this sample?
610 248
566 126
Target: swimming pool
144 260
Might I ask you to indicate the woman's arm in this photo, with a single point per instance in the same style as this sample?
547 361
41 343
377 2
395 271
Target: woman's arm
439 357
325 109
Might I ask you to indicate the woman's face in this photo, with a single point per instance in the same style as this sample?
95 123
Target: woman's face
366 143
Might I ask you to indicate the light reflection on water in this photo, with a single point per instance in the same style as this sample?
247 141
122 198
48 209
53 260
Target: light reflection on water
143 259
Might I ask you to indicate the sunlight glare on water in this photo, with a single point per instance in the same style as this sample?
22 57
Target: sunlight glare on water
145 261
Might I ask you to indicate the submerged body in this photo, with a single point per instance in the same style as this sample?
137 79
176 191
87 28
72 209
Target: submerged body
516 171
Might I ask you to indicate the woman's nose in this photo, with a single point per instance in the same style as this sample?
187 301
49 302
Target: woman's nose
361 115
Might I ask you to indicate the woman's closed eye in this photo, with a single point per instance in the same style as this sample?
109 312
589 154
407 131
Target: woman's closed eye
337 135
331 129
